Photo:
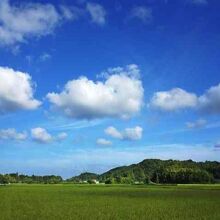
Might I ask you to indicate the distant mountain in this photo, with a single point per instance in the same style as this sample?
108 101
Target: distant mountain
84 177
159 171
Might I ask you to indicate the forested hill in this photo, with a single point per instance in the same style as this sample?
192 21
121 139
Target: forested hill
84 177
147 171
160 171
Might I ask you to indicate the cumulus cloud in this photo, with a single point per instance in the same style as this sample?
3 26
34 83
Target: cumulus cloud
97 13
41 135
133 133
102 141
21 21
113 132
209 102
127 134
177 98
120 95
12 134
16 91
173 99
131 70
200 123
143 13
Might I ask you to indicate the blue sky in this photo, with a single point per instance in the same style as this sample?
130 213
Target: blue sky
90 85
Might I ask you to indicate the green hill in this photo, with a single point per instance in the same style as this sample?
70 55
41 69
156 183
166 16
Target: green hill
160 171
83 177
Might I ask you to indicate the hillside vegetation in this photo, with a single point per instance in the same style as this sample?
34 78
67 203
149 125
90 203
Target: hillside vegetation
158 171
148 171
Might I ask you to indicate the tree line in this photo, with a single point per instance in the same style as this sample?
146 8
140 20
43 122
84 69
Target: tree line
148 171
20 178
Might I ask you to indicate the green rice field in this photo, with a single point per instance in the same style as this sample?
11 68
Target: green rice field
67 201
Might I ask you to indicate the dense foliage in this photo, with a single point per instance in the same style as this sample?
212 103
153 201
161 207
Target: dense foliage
16 178
147 171
83 177
160 171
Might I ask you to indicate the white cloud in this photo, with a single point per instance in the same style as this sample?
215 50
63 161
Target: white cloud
173 99
113 132
120 95
200 123
41 135
102 141
209 102
12 134
70 13
131 70
97 13
61 136
20 22
128 134
44 57
177 98
143 13
133 133
16 91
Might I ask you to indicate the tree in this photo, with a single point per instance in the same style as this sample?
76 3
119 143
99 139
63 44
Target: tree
109 181
147 180
3 179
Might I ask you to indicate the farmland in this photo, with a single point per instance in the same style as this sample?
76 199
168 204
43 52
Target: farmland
68 201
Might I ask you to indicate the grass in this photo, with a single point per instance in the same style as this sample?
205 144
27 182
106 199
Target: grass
45 202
